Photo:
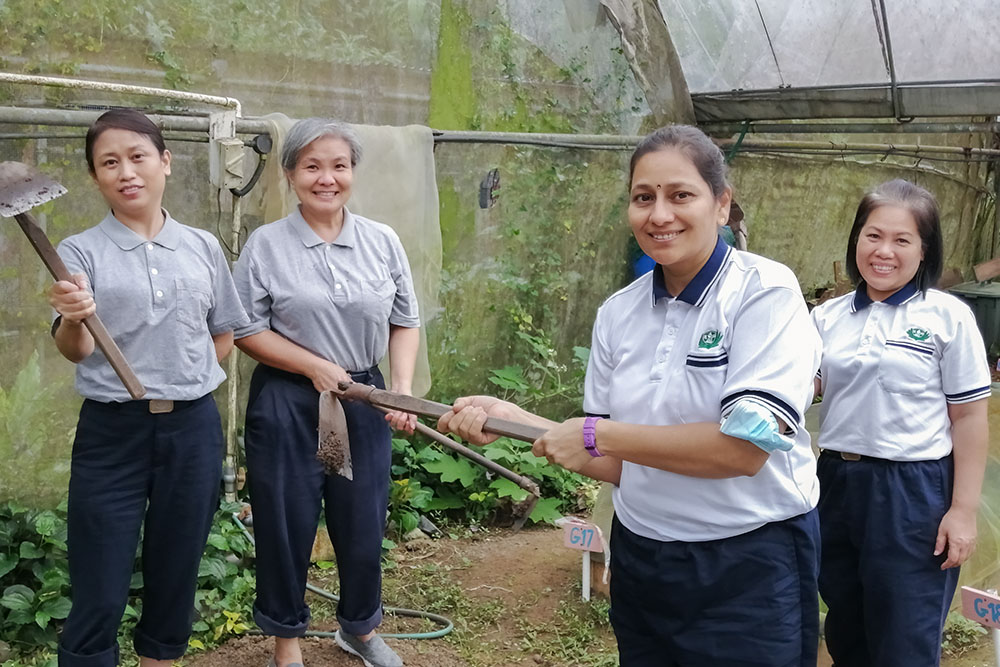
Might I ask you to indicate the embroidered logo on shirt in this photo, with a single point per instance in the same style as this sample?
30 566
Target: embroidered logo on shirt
918 334
710 339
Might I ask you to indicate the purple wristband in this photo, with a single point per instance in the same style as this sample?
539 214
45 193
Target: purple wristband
590 436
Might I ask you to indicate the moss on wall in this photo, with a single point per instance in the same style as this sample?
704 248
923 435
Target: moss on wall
453 101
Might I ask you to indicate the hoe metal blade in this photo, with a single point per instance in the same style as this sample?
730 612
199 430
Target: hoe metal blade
22 188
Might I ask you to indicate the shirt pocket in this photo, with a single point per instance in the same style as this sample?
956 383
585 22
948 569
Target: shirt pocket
377 297
194 299
906 367
706 373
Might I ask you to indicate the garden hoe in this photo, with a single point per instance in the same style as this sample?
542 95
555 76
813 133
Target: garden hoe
21 189
334 448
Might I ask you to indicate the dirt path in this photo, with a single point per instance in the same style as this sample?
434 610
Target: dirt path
514 599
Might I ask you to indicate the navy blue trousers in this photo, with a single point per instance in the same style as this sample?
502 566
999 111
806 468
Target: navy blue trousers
287 487
129 465
743 601
887 595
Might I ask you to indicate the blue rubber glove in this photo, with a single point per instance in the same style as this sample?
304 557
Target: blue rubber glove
751 421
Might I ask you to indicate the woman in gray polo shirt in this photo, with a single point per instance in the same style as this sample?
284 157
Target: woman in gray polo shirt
328 294
165 293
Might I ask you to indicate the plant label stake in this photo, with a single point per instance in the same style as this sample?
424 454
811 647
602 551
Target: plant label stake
586 537
983 607
21 189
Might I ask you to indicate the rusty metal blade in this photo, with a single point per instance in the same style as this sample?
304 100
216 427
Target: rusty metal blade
334 448
22 188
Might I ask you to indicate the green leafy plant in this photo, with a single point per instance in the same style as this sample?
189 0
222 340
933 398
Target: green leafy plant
34 583
34 580
226 584
961 635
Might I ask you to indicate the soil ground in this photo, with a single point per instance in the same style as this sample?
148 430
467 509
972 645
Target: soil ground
514 599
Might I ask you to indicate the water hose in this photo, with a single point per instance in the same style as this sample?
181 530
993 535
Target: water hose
444 621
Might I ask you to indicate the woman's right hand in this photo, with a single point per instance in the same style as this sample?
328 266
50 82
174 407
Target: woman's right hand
72 300
326 375
469 414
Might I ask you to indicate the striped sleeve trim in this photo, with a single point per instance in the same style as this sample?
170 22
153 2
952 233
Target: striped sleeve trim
787 413
968 396
707 361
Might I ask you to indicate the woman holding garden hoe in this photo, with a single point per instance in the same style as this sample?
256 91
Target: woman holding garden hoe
328 293
715 539
165 293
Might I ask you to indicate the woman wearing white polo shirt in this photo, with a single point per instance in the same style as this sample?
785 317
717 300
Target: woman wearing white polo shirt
714 545
904 433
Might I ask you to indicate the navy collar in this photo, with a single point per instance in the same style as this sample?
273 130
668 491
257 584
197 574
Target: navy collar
899 297
694 292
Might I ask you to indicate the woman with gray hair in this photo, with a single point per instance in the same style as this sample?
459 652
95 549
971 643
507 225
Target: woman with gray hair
329 293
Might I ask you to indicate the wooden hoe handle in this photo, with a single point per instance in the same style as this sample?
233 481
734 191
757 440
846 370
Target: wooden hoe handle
425 408
53 262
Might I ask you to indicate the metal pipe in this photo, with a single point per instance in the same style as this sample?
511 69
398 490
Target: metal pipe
878 85
615 141
894 84
84 118
911 149
229 466
169 136
76 118
35 80
850 128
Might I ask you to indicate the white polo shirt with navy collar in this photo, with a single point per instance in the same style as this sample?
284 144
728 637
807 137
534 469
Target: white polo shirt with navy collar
739 329
891 368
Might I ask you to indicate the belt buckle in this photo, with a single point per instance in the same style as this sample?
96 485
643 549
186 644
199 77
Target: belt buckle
159 406
850 456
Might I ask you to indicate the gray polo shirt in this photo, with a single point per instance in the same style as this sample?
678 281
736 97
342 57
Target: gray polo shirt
162 301
337 299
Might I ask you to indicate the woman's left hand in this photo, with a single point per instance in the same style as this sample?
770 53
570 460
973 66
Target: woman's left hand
401 421
957 533
563 445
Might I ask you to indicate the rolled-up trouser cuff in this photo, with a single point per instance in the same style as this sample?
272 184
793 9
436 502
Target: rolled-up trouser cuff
106 658
147 647
273 628
362 627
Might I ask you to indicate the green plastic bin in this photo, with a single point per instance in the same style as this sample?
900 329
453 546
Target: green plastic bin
984 299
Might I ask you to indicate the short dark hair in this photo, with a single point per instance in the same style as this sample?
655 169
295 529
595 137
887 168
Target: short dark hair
308 130
706 156
923 207
123 119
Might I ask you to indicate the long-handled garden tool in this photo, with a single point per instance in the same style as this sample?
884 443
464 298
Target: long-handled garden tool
21 189
334 448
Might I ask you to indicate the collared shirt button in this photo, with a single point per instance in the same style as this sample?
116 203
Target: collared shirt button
159 293
149 246
338 285
671 330
153 271
866 340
